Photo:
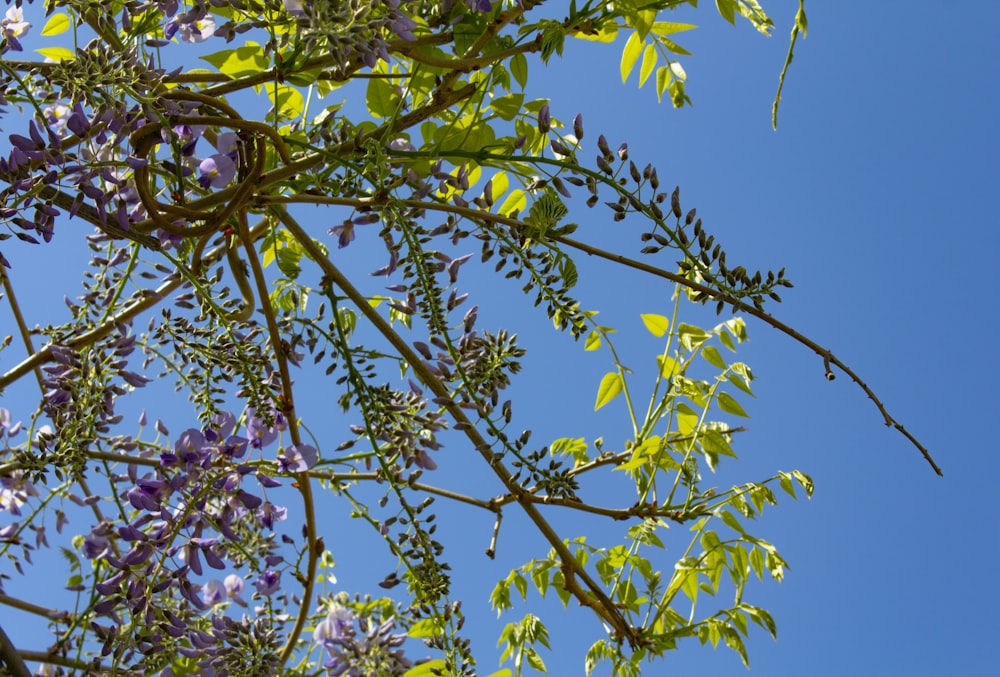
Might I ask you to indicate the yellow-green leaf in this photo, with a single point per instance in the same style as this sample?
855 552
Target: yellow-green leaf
611 386
668 366
633 48
648 62
711 353
593 341
687 419
667 27
729 405
656 324
606 33
519 69
428 669
428 627
515 202
56 53
245 60
663 77
287 100
57 23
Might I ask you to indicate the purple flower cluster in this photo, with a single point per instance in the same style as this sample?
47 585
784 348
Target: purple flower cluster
373 650
195 509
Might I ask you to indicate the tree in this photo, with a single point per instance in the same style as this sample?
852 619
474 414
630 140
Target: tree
204 182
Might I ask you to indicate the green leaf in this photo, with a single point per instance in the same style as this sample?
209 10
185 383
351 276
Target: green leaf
433 668
507 107
287 100
57 23
519 69
515 202
729 405
711 353
730 521
56 53
593 341
668 365
727 8
611 386
757 562
691 337
648 62
661 28
727 341
499 673
382 98
805 481
428 627
608 32
672 46
656 324
785 480
246 60
577 448
663 77
534 660
713 442
687 419
521 583
633 48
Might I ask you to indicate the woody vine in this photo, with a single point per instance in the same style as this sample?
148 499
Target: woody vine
208 270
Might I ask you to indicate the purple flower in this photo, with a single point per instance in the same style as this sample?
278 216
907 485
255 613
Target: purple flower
216 171
297 458
234 587
190 27
268 582
336 626
269 513
6 428
212 593
344 233
259 432
454 265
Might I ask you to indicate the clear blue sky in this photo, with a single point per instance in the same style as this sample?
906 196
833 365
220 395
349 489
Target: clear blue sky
877 194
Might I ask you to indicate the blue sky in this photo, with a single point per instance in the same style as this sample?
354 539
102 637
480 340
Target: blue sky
876 193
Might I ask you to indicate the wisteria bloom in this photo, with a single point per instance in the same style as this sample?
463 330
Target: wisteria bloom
297 458
190 29
344 233
234 588
212 593
14 25
268 582
14 492
216 171
338 625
